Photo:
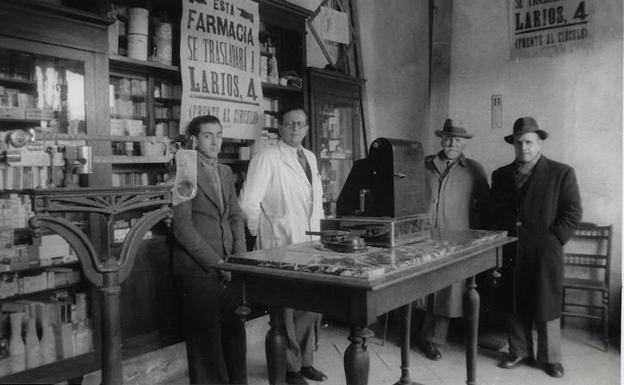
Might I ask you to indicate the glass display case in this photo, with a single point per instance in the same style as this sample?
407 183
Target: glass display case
48 102
335 130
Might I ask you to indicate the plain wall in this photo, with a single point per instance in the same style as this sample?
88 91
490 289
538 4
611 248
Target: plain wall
394 37
575 96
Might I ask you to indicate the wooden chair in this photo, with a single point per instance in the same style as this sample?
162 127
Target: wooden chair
587 271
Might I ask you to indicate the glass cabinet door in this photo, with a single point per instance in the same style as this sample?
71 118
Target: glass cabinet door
43 91
39 93
337 128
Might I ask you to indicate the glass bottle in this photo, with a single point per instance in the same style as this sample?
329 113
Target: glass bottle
48 346
16 344
33 346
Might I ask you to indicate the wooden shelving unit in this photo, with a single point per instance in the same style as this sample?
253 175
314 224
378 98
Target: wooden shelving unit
61 32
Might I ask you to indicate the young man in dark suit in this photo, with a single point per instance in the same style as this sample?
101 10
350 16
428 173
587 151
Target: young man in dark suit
207 229
537 200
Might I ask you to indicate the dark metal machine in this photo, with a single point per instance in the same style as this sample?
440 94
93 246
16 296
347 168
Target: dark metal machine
383 199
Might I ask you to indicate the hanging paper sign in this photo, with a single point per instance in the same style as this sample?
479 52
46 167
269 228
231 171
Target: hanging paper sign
335 26
549 27
220 65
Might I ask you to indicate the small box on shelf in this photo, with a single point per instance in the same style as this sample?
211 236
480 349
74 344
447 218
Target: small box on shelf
54 249
17 113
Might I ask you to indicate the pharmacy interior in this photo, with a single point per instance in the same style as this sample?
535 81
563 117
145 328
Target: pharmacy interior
95 100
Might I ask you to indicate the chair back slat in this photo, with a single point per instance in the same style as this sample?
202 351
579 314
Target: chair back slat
591 256
587 264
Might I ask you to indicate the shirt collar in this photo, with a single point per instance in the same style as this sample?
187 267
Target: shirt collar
441 159
290 148
527 167
206 161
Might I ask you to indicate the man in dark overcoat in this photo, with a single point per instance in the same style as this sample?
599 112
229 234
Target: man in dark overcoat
456 187
207 229
537 200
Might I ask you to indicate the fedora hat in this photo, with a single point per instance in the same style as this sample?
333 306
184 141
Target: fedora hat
453 128
525 125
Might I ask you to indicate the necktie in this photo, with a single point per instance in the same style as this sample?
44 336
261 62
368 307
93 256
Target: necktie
304 163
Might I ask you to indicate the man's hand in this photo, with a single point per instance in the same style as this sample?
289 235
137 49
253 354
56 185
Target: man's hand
226 276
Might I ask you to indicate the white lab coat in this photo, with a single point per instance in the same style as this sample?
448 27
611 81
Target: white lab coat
278 201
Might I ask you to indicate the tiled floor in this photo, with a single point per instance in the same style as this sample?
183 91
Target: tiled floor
584 361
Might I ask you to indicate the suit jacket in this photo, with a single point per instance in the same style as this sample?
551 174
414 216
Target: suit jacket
454 198
543 220
205 230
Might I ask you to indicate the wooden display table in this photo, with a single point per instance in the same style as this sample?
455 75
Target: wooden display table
360 287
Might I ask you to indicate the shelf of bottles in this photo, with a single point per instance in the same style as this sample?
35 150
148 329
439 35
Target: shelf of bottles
44 315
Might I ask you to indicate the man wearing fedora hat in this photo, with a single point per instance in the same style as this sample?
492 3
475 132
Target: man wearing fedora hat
456 187
537 200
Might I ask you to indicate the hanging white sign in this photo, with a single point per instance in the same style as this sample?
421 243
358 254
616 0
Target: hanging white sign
220 65
549 27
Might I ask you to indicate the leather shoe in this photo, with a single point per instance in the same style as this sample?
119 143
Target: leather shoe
512 361
312 374
431 351
295 378
554 370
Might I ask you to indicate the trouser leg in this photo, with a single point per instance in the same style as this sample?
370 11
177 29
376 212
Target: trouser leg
305 329
435 328
202 331
549 341
520 336
234 343
233 336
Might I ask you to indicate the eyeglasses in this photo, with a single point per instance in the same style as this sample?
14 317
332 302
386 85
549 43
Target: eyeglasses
291 124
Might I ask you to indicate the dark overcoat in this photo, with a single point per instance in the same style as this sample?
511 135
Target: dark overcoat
543 219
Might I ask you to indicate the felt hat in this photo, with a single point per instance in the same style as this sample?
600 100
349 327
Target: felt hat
453 128
525 125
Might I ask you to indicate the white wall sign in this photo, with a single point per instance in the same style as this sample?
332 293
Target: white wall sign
549 27
220 65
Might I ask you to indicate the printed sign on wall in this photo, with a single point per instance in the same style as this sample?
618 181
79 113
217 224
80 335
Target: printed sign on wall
549 27
220 65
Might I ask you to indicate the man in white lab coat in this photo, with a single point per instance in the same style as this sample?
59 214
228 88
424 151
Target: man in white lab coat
281 200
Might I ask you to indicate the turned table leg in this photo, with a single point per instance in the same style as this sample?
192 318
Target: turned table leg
405 345
356 362
471 313
275 349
